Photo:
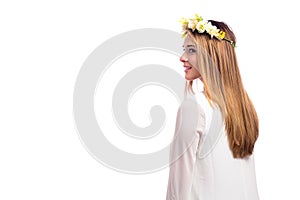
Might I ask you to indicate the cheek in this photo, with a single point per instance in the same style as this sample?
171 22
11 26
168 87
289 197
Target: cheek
193 61
195 71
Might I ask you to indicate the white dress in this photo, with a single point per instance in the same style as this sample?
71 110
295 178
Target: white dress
201 164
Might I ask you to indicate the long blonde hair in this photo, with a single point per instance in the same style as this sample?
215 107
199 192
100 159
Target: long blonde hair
218 66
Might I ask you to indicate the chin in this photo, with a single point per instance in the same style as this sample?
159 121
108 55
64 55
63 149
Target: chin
190 78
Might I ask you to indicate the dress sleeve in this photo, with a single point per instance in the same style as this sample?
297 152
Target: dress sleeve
190 124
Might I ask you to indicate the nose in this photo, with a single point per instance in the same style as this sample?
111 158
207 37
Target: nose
183 58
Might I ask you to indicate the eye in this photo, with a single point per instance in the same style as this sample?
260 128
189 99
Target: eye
191 50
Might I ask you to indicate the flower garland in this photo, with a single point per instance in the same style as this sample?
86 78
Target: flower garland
203 26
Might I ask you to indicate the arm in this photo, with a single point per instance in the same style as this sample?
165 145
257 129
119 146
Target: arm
189 126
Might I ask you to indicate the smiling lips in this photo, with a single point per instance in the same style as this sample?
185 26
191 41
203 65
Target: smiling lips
187 68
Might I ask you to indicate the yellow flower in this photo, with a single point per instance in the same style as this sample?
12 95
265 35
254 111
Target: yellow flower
184 23
211 30
201 26
198 18
221 35
183 34
192 23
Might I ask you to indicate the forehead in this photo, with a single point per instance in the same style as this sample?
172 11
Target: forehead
188 41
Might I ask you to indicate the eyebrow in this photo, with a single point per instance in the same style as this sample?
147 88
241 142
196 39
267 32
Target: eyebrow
189 45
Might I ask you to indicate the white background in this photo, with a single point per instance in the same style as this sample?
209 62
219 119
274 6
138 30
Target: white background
42 47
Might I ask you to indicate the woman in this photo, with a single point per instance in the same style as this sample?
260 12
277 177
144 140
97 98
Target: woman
211 156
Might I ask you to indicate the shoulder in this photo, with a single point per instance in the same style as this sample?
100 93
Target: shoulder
198 100
192 111
198 105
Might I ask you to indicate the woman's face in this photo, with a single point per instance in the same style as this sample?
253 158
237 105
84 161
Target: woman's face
189 59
